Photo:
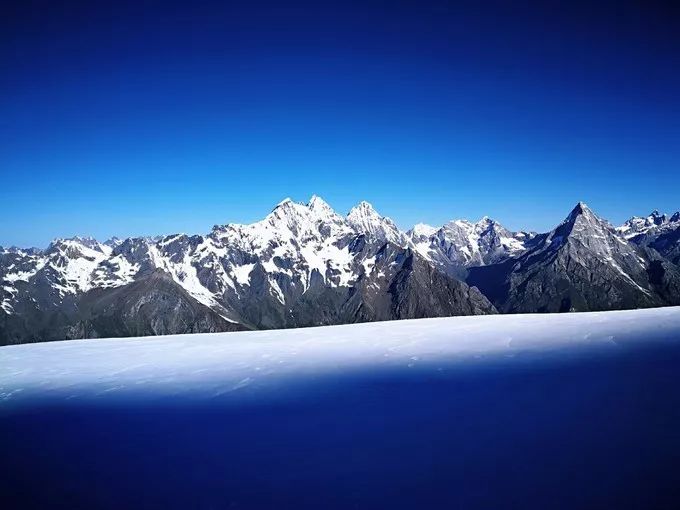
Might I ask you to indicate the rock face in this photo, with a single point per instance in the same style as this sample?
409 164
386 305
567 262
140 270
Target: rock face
460 244
638 225
151 305
583 264
303 265
306 265
657 231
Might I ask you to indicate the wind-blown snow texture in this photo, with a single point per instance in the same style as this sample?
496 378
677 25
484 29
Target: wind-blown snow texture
527 411
217 365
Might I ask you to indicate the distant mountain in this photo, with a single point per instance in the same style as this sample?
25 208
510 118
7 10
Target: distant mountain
583 264
303 265
460 244
638 225
658 231
306 265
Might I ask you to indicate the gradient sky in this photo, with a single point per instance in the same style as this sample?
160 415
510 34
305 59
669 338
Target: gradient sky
153 118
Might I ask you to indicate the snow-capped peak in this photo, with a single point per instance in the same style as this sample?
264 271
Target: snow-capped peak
582 218
362 210
421 231
641 225
316 203
581 209
364 219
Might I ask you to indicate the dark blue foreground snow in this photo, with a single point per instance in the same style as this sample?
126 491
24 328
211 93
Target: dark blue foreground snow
567 411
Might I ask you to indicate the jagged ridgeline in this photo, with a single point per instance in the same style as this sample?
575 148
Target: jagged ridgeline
305 265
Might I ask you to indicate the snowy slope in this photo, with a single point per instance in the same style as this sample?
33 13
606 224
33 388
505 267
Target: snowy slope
224 364
461 244
306 265
638 225
302 265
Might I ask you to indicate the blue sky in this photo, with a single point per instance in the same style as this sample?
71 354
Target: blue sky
151 118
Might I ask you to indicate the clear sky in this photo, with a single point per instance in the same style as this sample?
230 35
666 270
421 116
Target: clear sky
151 118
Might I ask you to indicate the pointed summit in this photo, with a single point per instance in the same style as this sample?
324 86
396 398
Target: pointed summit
316 203
363 207
364 219
581 265
580 208
363 216
581 213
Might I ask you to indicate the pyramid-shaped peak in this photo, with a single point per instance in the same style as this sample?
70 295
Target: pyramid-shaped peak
581 209
363 210
318 203
364 206
583 216
365 219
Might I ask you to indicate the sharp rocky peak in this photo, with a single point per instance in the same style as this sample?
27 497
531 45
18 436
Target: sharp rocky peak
364 219
363 208
583 216
316 203
364 216
74 245
580 209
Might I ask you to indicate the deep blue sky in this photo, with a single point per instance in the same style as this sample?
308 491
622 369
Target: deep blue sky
148 118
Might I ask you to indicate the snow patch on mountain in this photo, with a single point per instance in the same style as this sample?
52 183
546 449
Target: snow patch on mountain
366 220
460 244
638 225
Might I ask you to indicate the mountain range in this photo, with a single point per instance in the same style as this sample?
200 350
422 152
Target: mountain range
306 265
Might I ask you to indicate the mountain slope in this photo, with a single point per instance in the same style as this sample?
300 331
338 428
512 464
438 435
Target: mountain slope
154 304
306 265
302 265
657 231
460 244
583 264
640 225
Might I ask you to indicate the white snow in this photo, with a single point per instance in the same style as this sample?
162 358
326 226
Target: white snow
242 273
365 219
651 223
208 365
123 273
25 275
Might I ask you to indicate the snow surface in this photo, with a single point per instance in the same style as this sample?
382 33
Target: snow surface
224 364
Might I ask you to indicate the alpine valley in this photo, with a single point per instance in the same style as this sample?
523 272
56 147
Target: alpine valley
306 265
